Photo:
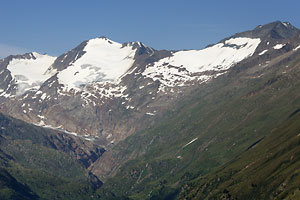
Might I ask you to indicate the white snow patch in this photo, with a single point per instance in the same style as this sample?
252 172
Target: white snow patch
42 124
25 96
44 95
41 116
129 107
109 136
278 46
6 95
104 61
263 52
30 73
298 47
148 113
193 140
285 24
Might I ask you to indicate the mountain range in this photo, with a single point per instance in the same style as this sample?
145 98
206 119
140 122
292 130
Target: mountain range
152 124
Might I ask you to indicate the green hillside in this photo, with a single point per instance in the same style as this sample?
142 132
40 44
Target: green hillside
269 170
212 126
36 163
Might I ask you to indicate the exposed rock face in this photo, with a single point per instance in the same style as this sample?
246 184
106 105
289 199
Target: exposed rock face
106 91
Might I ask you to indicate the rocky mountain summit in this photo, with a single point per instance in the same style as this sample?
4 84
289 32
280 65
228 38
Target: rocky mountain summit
105 91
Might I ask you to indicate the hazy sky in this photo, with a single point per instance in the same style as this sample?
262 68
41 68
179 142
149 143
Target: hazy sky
54 26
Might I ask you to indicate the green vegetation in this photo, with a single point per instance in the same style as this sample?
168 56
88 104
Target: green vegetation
223 118
10 188
32 166
270 170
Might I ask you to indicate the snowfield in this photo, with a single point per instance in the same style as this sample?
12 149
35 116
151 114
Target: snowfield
30 73
219 57
103 61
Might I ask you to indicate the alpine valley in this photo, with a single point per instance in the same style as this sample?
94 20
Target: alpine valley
125 121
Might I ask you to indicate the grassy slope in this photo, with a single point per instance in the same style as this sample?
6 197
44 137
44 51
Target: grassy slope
226 117
10 188
270 170
31 166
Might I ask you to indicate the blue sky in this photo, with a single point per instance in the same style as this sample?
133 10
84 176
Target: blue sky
54 26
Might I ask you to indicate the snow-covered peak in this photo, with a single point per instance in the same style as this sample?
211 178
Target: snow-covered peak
29 72
103 61
103 40
217 57
180 67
